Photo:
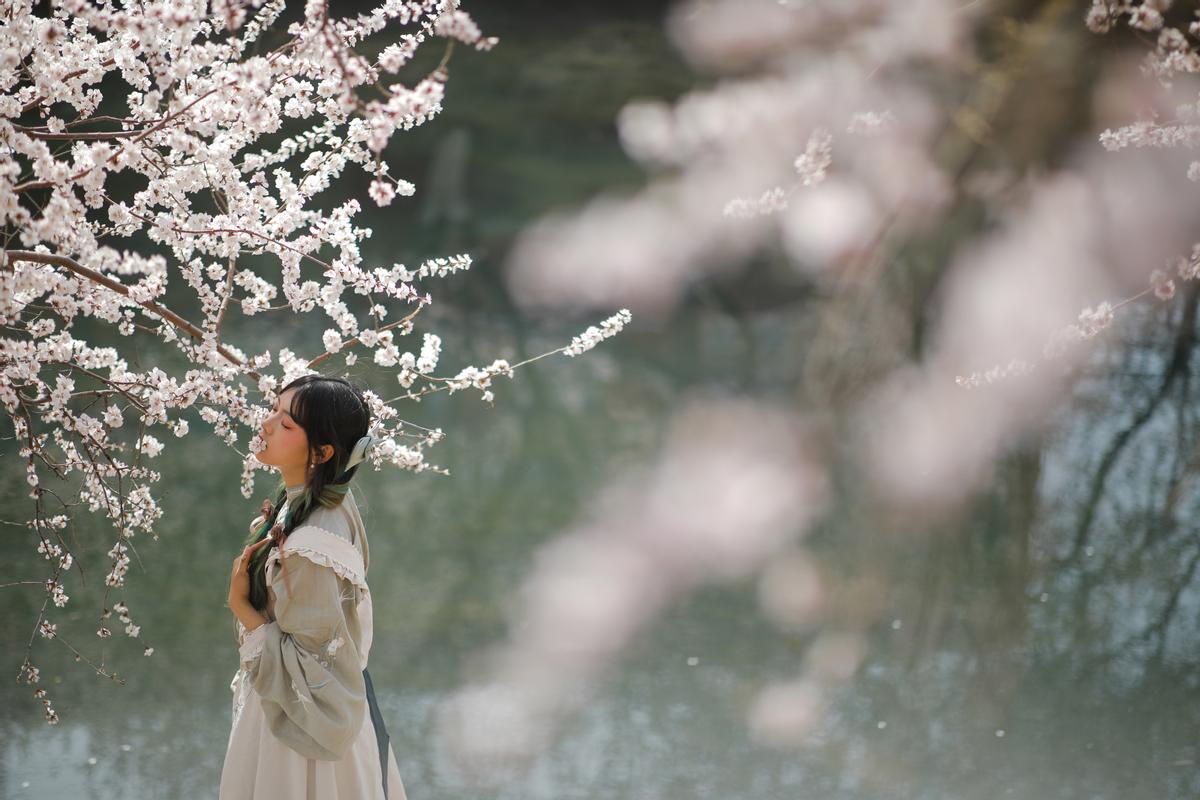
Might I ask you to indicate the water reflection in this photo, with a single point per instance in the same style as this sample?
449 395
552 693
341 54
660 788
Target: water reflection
998 666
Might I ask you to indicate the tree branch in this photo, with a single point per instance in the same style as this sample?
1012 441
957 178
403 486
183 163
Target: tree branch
97 277
77 137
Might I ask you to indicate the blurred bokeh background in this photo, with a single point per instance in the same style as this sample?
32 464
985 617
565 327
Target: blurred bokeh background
1041 641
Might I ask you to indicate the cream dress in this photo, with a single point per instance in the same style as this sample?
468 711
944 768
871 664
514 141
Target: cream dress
302 728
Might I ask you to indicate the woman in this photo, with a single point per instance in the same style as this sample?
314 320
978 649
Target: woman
305 722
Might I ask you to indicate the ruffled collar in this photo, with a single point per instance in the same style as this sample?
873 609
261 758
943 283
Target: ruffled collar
294 491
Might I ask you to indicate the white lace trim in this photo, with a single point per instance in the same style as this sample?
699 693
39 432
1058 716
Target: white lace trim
327 549
325 560
240 685
253 653
252 647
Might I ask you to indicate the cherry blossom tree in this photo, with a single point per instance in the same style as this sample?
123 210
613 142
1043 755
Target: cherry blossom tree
198 141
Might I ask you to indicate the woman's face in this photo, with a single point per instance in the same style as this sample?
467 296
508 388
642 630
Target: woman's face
285 444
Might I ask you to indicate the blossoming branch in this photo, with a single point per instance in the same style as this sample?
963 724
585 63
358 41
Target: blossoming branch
193 141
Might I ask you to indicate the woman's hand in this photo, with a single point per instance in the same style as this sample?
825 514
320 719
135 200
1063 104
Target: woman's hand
239 578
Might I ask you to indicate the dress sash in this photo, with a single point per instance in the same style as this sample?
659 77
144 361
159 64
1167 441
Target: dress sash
381 736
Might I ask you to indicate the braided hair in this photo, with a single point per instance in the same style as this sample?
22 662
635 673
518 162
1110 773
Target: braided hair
332 411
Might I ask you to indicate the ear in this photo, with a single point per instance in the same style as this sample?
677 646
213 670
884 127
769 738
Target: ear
326 453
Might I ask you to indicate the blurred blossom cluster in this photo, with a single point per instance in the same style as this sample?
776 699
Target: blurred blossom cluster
196 142
735 484
840 79
826 138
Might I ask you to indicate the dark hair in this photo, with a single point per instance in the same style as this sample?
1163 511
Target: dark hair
332 411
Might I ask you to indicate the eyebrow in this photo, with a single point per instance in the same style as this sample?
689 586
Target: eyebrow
276 406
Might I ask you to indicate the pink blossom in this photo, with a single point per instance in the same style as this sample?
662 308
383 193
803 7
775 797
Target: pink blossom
1164 287
381 192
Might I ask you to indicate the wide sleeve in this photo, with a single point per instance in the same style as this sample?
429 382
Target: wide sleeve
305 665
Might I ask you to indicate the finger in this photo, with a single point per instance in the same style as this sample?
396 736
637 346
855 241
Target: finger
251 548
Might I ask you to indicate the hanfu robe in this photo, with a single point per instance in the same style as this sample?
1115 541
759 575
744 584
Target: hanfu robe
302 727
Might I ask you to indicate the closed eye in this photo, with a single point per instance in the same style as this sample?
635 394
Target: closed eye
275 407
